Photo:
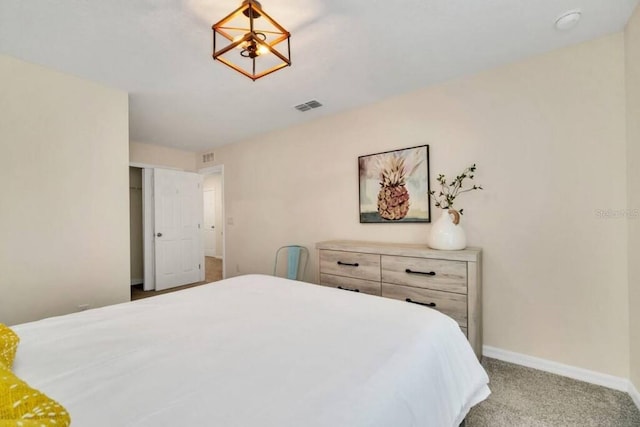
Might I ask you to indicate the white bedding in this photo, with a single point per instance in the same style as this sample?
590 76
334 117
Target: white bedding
255 351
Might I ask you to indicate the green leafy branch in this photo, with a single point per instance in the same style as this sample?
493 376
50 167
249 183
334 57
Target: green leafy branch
448 192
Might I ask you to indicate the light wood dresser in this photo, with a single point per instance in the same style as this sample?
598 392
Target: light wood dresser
448 281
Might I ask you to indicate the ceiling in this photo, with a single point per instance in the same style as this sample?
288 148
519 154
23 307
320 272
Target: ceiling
345 53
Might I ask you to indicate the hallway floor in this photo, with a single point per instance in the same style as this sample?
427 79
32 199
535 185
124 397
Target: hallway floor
212 273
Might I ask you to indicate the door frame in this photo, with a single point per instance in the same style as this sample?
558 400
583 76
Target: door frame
219 170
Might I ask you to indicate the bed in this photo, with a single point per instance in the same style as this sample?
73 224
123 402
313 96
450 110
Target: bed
254 350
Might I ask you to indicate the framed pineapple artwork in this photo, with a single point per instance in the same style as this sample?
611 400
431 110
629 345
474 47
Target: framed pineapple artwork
394 186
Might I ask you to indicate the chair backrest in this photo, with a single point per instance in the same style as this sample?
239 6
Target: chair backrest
296 258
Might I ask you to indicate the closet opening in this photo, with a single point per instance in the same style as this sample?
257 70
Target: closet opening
136 236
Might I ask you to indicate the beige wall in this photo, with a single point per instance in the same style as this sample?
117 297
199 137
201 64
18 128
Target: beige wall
632 39
157 155
135 225
548 135
64 205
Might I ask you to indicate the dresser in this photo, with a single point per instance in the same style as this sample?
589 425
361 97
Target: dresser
447 281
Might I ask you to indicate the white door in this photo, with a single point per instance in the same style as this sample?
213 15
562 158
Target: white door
178 236
210 223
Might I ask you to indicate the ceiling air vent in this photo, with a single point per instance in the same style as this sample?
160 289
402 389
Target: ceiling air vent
308 105
207 157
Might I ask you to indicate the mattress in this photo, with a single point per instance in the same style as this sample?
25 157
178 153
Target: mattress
255 351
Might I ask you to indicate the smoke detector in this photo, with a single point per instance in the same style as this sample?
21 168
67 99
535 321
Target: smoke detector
568 20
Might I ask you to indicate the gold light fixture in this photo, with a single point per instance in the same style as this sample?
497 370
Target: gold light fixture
255 40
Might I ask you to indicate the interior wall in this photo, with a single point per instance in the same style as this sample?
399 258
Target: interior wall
214 182
548 136
64 207
135 226
157 155
632 45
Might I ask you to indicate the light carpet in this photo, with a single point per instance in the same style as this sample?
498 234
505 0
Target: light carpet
525 397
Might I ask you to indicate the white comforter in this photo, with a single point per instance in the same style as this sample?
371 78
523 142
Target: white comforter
255 351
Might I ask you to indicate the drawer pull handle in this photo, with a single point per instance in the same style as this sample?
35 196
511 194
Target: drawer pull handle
424 273
426 304
349 264
347 289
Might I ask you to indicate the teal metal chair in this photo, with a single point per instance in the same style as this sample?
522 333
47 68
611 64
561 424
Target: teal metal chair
296 257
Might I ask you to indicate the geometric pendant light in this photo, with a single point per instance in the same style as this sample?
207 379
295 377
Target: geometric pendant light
248 40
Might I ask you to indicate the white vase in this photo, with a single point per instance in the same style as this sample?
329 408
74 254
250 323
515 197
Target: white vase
446 232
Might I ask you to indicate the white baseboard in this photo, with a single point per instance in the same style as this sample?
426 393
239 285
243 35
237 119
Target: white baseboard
635 395
593 377
136 282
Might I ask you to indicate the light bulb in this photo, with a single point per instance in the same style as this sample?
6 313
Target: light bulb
241 45
262 50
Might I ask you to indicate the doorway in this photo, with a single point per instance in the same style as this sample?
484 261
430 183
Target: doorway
150 227
213 233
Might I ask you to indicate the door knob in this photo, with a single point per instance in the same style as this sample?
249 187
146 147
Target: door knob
213 226
159 234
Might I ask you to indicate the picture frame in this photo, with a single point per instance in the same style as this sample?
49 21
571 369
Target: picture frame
394 186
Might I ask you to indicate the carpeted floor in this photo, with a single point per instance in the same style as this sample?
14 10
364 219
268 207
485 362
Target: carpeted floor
524 397
212 273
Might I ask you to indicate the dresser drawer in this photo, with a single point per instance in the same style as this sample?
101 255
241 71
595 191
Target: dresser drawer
351 284
443 275
350 264
452 304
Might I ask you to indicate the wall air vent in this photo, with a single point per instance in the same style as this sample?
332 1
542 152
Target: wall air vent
308 105
207 158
